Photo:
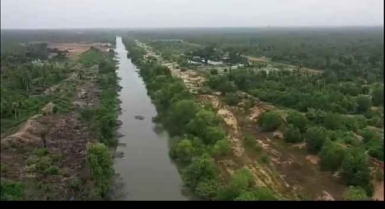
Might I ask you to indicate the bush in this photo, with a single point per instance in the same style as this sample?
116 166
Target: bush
214 72
184 150
265 159
52 170
201 168
331 156
333 121
270 121
297 120
11 190
355 193
378 96
207 189
292 134
364 103
231 99
315 137
240 181
222 147
100 163
40 152
87 114
355 169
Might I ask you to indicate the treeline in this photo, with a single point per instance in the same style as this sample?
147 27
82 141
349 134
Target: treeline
199 136
347 51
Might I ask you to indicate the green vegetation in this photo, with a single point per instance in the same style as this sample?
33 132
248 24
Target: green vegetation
355 169
355 193
315 138
100 162
331 155
11 190
270 121
292 134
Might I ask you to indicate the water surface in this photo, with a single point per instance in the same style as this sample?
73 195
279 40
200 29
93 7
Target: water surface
145 172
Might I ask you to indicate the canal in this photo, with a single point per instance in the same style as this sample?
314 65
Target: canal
144 170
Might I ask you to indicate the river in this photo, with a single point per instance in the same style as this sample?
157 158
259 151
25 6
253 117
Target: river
145 171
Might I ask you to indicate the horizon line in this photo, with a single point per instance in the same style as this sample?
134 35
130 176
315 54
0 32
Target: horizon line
196 27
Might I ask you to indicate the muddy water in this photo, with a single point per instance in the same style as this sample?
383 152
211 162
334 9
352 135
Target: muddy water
144 171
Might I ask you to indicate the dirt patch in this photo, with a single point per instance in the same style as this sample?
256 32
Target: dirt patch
75 49
48 109
326 196
313 159
299 145
378 191
30 132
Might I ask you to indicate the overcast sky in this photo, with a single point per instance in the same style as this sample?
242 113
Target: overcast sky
188 13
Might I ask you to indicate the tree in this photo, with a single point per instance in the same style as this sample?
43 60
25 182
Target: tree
364 103
378 96
100 162
240 181
315 137
355 193
207 189
246 196
201 168
231 99
298 120
212 134
180 114
292 134
333 121
355 169
270 121
331 156
185 150
222 147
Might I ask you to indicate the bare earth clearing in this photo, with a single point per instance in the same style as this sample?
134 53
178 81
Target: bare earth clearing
75 49
65 137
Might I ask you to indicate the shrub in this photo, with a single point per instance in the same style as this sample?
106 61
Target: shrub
231 99
214 72
333 121
292 134
52 170
100 163
297 120
265 158
355 169
270 121
207 189
331 156
355 193
222 147
201 168
364 103
185 150
40 152
10 190
315 137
